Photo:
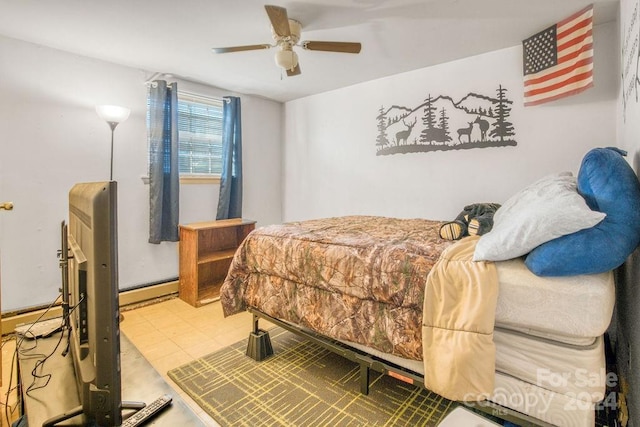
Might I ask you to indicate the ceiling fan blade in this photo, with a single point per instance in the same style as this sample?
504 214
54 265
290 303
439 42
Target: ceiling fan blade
345 47
279 20
296 70
241 48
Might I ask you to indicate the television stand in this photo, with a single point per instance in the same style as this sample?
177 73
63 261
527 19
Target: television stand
140 383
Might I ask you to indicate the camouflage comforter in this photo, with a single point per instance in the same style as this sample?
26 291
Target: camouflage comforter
357 278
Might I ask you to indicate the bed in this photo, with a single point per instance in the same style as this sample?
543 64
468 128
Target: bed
496 321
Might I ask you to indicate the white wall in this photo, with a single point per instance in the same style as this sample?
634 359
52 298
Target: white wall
51 138
627 335
629 93
331 167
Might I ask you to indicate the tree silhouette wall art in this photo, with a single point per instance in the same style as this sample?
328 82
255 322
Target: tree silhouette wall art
440 123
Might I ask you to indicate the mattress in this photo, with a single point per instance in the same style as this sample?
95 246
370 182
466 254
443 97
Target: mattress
572 309
572 370
554 408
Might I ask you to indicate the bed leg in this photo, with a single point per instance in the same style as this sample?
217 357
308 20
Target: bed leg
364 379
256 327
259 344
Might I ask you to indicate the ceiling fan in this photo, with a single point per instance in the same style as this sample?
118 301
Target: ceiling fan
286 33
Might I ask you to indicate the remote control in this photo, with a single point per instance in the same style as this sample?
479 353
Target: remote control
144 414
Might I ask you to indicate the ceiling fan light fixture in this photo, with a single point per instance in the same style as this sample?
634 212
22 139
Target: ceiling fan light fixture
286 34
287 59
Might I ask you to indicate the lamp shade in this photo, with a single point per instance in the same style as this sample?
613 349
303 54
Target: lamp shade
113 113
287 59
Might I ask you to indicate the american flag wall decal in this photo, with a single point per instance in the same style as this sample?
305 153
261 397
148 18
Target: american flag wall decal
558 61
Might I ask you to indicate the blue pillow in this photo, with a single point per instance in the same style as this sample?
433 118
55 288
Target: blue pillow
608 184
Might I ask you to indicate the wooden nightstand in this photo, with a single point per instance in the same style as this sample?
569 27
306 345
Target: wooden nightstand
206 251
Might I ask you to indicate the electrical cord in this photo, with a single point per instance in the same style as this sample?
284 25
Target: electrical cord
38 368
5 402
14 358
27 352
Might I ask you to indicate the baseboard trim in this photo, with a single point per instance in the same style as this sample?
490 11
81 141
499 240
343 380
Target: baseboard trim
149 292
135 296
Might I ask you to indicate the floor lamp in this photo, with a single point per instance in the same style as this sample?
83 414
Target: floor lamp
113 115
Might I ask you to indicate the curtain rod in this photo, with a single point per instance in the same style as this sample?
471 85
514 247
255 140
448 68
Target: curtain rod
150 82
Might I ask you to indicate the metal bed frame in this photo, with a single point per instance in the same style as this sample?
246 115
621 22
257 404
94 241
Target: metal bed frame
259 348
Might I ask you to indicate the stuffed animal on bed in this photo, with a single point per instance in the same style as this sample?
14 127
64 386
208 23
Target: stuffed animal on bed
474 220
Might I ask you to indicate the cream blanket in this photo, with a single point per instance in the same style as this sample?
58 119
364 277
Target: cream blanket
458 321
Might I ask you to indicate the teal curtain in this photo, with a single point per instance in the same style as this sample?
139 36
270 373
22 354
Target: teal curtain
164 176
230 198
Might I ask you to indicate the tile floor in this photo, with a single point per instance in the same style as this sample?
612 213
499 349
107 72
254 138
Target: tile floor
169 334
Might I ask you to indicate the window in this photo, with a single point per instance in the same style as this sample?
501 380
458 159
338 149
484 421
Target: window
199 136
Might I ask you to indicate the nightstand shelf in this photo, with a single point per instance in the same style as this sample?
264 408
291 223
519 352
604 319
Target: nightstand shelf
206 252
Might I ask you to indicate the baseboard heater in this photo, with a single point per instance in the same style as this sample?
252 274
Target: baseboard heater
259 348
128 296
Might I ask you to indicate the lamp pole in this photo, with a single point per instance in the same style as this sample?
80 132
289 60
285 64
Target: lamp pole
113 115
112 125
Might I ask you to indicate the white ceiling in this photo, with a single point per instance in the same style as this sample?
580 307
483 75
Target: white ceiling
176 36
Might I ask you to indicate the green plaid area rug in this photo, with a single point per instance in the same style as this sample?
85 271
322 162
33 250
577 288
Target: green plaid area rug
302 384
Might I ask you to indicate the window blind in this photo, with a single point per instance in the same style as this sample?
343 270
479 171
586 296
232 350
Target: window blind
199 134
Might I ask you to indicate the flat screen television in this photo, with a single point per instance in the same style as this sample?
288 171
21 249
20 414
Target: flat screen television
93 306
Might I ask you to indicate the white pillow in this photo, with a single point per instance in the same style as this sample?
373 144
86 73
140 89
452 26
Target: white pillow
547 209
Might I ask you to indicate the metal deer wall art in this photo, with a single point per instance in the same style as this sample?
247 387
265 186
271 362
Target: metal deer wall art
441 123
